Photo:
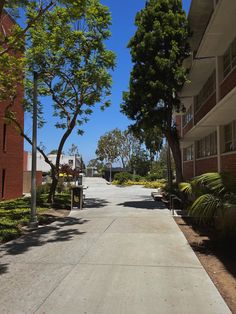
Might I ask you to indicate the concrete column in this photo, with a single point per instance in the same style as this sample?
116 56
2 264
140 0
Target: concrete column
194 158
219 76
193 110
219 148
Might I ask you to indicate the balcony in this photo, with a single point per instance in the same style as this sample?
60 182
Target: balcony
219 34
222 113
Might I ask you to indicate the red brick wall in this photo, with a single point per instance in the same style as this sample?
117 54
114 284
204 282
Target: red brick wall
187 127
11 159
228 162
206 165
188 171
206 107
228 84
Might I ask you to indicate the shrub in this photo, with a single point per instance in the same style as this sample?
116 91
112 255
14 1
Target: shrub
153 177
122 177
155 185
43 189
137 178
16 203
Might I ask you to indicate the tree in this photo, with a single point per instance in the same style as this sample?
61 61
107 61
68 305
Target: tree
12 44
158 49
67 49
107 149
122 145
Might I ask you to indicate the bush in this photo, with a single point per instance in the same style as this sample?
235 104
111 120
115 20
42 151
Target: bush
137 178
16 203
154 185
43 189
153 177
123 177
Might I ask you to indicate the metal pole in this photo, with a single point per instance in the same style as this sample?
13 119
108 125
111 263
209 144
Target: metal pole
33 218
169 172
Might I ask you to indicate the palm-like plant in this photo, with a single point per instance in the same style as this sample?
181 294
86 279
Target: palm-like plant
211 195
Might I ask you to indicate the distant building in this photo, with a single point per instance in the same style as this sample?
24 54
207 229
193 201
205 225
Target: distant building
208 128
73 161
11 143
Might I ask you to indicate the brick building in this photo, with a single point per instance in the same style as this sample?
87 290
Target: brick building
208 128
11 143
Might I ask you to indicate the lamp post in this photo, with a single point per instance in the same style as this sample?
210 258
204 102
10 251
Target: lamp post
33 216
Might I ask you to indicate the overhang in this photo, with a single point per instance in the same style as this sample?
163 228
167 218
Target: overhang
223 113
219 34
200 71
198 18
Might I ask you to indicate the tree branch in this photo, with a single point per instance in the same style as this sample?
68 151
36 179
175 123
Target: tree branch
29 25
21 132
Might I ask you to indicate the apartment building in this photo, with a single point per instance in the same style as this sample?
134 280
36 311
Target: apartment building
208 127
11 143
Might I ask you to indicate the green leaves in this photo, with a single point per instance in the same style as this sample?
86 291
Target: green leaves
158 49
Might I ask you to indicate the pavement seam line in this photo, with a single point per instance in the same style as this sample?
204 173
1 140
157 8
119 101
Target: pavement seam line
148 266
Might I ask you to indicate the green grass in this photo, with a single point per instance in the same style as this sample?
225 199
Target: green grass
15 214
12 221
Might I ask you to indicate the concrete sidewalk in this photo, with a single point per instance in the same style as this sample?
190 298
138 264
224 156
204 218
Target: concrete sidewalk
121 255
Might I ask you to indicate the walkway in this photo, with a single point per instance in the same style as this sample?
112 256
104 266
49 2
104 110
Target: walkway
121 255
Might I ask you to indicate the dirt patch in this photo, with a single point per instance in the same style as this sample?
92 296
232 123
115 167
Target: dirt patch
217 257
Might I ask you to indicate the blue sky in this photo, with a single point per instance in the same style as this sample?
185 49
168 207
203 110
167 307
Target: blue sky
123 15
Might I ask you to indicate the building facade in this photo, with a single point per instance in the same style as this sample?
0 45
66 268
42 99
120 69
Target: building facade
11 143
73 161
208 127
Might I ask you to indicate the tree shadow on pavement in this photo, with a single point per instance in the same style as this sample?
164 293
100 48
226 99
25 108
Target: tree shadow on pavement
63 230
95 203
145 204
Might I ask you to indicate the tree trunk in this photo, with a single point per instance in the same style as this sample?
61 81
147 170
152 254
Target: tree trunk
176 152
2 6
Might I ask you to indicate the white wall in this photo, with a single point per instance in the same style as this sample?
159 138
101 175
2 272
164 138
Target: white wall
44 167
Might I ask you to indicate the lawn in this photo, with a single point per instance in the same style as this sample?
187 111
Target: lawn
15 214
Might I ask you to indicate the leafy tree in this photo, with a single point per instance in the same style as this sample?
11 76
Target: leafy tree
95 163
121 144
12 43
158 49
53 152
140 163
67 50
107 149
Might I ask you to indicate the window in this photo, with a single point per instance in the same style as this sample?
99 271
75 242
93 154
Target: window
208 89
4 137
188 116
230 136
188 153
229 58
70 162
207 146
3 182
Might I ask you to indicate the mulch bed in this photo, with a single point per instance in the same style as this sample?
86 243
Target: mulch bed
217 257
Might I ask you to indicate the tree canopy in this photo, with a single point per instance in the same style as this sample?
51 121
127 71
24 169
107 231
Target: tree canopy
66 48
158 49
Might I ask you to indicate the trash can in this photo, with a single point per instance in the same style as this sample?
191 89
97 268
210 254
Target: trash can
77 197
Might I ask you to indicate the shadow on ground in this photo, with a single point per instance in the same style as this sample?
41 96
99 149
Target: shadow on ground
95 203
145 204
63 230
210 243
